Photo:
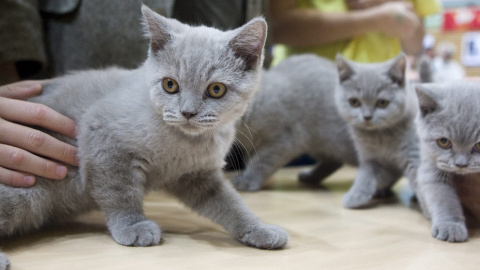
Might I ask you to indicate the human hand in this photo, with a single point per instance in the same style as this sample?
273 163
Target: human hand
397 19
24 151
363 4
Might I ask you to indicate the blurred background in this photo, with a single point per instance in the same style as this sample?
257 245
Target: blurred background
455 33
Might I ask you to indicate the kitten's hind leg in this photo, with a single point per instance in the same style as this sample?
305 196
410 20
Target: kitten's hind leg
209 194
321 171
262 166
4 262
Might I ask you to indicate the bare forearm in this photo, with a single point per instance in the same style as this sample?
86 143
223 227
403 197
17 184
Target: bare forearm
309 27
414 44
303 27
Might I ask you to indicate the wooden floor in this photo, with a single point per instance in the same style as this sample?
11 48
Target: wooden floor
323 235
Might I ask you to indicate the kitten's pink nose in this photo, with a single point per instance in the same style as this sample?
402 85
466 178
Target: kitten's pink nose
461 165
461 161
188 114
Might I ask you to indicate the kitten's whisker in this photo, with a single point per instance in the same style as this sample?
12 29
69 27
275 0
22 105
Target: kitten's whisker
249 140
255 153
261 108
248 128
244 159
233 160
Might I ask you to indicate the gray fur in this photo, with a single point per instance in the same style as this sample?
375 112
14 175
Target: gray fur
385 138
294 113
448 111
133 137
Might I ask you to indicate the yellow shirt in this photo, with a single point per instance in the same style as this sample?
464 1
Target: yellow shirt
370 47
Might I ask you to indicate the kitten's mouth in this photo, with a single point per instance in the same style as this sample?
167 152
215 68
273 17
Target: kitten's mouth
458 170
372 125
367 125
193 128
187 126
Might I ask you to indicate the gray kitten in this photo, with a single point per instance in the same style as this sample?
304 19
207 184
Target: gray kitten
294 113
379 108
449 130
165 125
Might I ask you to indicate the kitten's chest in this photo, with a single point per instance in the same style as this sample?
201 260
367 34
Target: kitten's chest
179 157
395 148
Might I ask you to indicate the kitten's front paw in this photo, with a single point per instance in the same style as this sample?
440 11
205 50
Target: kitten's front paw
144 233
4 262
265 236
356 200
450 231
243 182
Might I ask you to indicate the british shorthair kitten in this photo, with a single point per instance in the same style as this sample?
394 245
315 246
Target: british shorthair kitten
379 107
449 130
165 125
294 113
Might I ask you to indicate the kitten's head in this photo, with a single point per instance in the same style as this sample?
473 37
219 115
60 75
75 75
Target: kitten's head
449 125
202 78
372 96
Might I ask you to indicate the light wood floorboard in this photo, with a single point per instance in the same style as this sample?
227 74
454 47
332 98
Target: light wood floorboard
323 235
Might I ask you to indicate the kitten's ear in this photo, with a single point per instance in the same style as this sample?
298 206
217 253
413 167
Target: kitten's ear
248 42
344 68
398 70
426 100
157 29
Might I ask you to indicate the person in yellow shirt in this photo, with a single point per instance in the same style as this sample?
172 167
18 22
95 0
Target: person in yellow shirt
361 30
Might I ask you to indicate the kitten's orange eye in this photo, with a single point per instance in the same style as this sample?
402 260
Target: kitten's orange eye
216 90
382 103
354 102
170 85
477 146
444 143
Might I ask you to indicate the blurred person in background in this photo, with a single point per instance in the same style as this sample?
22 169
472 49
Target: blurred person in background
445 67
361 30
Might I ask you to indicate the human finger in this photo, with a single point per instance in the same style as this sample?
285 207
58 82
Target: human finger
19 160
21 90
36 114
37 142
16 179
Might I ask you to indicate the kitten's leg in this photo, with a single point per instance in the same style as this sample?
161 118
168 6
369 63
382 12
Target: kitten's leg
119 193
262 166
4 262
363 188
212 196
423 206
386 179
321 171
443 205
